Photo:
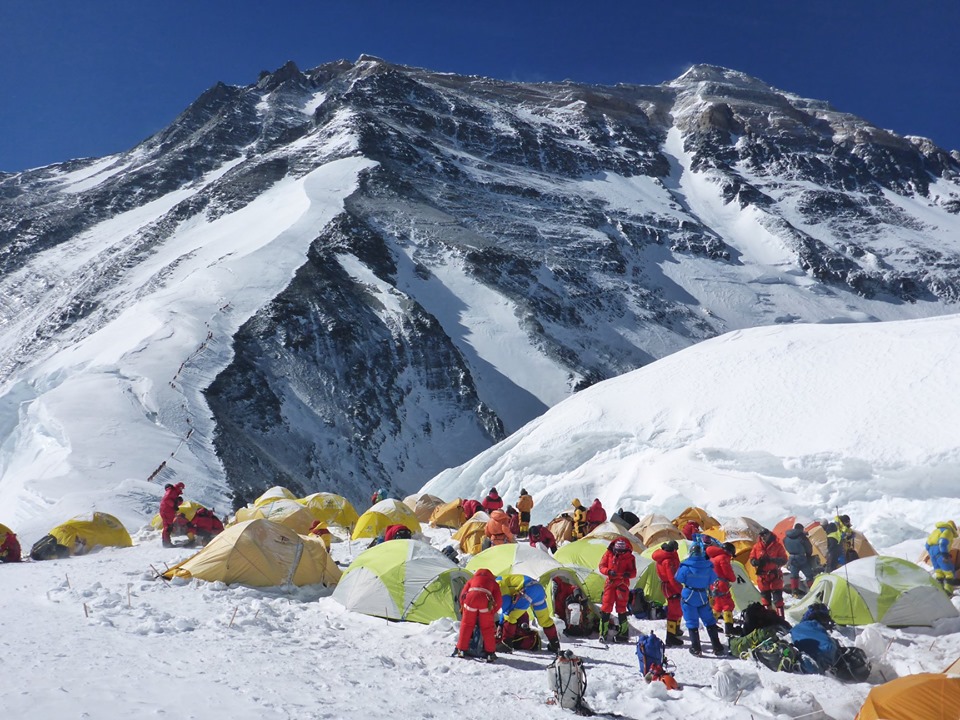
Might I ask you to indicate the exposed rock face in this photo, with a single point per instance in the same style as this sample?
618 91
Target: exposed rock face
603 218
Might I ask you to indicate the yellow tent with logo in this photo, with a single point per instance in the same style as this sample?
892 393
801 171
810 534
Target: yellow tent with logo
471 533
260 553
382 515
924 696
449 515
331 509
423 505
282 510
81 535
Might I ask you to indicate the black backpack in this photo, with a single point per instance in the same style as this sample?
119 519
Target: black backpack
852 665
639 607
47 548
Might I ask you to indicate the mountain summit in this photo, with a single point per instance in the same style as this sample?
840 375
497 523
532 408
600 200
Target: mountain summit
362 274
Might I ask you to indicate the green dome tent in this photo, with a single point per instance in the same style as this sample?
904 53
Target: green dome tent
403 580
878 589
586 553
522 559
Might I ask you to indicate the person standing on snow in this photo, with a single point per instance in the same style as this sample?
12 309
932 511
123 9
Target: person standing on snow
801 557
168 510
691 529
768 556
492 502
524 506
579 519
480 601
696 574
938 547
723 605
619 568
668 561
595 515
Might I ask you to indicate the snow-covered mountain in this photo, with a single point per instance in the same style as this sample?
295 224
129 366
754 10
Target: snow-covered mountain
363 274
807 420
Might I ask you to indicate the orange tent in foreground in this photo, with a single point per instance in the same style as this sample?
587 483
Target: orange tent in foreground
925 696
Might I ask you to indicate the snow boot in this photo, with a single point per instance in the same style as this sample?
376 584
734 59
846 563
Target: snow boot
490 657
695 648
553 640
714 633
623 629
729 630
673 634
604 625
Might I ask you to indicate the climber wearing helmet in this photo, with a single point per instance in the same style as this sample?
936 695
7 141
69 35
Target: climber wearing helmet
619 568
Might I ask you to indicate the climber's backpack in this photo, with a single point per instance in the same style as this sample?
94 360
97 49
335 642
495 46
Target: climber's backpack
852 665
778 655
639 606
650 652
567 680
741 647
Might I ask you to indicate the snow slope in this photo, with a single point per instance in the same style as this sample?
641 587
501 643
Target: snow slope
766 423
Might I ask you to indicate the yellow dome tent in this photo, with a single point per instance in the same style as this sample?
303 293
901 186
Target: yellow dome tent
284 511
449 515
277 492
471 533
81 535
381 516
423 505
924 696
705 519
260 553
331 509
654 530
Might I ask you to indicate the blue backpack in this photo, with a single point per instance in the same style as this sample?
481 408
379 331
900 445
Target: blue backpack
650 652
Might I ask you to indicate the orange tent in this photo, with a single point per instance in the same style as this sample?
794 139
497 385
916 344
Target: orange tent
925 696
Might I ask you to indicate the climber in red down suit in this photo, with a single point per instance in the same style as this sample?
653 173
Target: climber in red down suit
668 560
480 601
168 510
619 568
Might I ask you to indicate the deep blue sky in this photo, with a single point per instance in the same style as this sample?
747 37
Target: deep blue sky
95 77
